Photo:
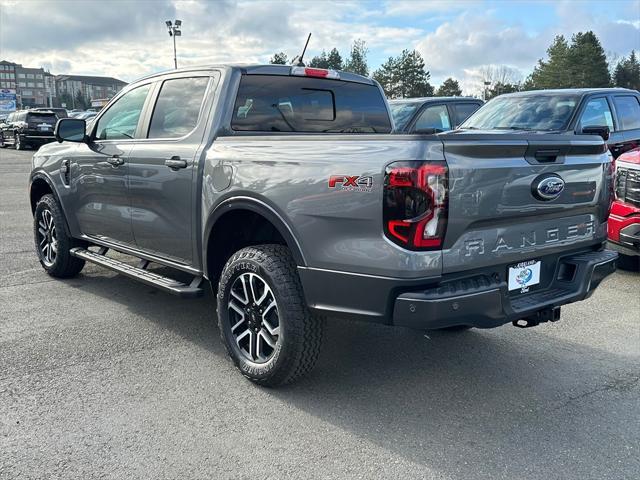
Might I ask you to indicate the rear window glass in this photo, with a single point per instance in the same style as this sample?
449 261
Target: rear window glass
275 103
628 110
41 118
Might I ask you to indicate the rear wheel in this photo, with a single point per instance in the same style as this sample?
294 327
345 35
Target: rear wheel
52 241
2 144
264 322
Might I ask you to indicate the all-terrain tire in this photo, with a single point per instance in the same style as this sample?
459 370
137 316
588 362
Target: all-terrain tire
49 228
300 332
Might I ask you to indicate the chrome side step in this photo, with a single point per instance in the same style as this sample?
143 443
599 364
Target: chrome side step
140 273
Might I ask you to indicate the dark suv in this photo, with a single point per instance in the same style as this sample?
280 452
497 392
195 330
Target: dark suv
28 128
577 110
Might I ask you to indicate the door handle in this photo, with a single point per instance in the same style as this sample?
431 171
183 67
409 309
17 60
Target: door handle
175 162
115 161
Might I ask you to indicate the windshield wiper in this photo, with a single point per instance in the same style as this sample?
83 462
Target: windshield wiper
513 128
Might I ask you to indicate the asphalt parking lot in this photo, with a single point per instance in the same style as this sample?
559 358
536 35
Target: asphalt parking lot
102 377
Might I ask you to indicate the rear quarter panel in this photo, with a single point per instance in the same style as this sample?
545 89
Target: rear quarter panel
337 228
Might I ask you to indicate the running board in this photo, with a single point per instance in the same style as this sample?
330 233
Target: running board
140 273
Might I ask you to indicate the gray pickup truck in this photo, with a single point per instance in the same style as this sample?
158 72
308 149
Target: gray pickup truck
284 188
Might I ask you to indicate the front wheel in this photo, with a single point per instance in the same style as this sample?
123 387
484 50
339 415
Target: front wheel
52 241
264 322
2 144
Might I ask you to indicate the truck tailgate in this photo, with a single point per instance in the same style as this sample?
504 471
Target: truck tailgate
498 210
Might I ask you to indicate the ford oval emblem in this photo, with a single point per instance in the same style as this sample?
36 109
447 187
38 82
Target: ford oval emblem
548 187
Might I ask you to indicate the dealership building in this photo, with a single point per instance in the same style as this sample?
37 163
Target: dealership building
35 87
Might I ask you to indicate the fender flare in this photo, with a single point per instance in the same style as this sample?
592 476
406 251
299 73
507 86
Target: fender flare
41 176
256 206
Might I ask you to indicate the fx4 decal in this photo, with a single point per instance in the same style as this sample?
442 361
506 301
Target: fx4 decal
354 183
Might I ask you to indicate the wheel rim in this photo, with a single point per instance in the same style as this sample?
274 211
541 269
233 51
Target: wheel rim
253 318
47 240
18 143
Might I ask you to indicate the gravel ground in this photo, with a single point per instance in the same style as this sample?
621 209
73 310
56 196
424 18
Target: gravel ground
102 377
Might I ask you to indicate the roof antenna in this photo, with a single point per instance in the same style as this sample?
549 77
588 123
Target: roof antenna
298 59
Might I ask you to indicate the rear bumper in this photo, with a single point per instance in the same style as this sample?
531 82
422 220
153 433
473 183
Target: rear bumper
484 302
479 298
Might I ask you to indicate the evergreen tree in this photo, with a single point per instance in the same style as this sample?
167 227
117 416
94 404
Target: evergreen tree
553 73
449 88
415 79
319 61
357 61
587 62
387 77
334 60
404 76
582 64
279 58
80 100
627 72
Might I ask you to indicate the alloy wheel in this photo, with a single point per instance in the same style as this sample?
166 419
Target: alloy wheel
47 240
253 317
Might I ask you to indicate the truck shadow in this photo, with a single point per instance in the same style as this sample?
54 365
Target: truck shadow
489 404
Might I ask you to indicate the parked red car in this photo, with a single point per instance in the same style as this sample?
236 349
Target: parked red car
624 220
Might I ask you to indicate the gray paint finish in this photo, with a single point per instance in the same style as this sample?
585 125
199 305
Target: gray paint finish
169 215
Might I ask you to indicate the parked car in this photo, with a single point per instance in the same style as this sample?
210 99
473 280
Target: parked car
613 111
60 112
281 186
28 128
86 115
624 220
431 114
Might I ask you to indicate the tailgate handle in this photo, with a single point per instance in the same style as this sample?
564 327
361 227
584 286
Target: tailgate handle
547 156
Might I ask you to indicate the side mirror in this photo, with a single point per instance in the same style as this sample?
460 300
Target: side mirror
602 131
71 130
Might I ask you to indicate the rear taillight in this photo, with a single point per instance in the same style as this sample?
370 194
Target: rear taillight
415 204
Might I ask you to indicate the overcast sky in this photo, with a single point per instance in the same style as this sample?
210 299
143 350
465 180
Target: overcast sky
128 38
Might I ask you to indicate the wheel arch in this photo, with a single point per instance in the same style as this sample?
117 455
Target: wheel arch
40 186
241 213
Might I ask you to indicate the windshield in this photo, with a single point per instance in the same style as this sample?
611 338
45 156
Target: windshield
402 113
544 112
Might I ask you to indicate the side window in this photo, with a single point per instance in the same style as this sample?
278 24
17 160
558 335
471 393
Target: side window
464 111
121 120
434 117
628 110
178 107
597 114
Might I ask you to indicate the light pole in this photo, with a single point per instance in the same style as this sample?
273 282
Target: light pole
174 31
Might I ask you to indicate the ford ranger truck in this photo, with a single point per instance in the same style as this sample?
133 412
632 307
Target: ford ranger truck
284 188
